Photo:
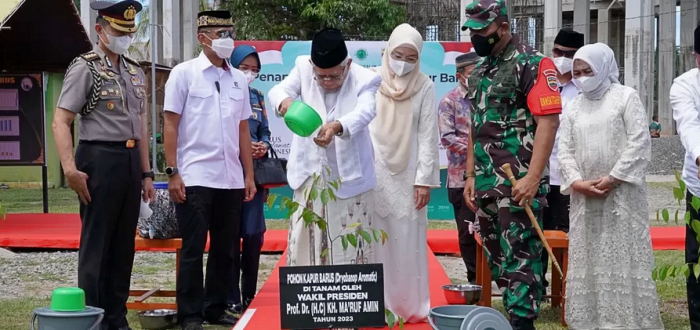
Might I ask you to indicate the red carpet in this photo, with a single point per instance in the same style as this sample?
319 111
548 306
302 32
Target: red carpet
62 231
264 312
662 238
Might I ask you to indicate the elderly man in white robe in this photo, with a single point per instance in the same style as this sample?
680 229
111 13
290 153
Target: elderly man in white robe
685 101
343 94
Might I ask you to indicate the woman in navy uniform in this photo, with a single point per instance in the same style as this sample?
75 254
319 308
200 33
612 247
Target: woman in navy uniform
245 59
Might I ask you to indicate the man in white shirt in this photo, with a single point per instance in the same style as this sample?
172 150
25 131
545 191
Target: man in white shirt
556 214
343 94
206 138
685 101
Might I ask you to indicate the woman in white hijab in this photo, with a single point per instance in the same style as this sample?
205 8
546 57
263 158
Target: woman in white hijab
405 138
604 151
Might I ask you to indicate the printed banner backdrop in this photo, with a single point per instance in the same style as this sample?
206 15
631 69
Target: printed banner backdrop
277 57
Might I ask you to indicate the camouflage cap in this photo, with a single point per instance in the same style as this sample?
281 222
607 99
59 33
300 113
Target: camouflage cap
481 13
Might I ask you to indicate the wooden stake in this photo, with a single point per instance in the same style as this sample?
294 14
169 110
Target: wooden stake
528 210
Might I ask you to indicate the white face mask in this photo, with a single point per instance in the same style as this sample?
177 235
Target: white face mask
118 45
563 64
401 67
250 76
223 47
586 84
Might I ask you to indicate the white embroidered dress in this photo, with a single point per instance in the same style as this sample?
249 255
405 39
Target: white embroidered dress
609 284
405 255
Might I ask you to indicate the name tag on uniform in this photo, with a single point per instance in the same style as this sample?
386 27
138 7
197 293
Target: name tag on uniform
136 81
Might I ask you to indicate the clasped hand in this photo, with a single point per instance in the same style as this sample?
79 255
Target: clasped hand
593 188
259 149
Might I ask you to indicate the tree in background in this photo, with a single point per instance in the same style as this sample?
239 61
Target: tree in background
301 19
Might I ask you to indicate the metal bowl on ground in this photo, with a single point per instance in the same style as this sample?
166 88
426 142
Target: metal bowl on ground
158 319
462 294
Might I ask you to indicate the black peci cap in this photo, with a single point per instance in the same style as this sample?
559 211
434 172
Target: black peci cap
569 38
328 48
120 15
214 18
697 40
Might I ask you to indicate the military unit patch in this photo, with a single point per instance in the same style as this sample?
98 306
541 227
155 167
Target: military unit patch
110 105
552 81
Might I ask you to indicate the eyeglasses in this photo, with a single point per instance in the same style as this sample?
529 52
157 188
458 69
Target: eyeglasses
563 53
329 78
222 33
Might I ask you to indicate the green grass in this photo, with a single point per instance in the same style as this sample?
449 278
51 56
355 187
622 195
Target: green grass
30 200
65 201
16 313
672 298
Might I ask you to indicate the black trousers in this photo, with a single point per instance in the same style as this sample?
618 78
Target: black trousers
252 233
556 217
691 256
106 254
247 273
467 242
218 212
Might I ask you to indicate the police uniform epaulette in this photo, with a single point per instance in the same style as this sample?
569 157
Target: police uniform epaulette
131 60
94 94
90 56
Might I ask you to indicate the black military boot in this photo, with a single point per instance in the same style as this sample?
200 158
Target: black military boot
519 323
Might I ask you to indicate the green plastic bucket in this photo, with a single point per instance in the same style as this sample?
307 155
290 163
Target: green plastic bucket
302 119
466 317
68 300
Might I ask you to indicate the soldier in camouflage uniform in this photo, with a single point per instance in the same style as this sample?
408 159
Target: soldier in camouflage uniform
513 93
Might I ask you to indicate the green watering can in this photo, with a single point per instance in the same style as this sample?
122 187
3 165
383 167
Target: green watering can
302 119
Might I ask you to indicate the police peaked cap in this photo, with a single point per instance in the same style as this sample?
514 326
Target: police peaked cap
120 15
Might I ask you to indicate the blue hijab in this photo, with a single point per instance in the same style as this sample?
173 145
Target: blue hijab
241 52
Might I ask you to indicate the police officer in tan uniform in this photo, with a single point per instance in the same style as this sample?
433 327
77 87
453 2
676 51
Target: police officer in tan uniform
110 171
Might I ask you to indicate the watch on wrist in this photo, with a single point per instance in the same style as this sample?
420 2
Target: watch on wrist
148 174
340 133
170 171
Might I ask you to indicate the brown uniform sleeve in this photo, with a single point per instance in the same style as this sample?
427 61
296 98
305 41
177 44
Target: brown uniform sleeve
76 86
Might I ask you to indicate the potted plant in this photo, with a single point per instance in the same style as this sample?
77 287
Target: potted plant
325 189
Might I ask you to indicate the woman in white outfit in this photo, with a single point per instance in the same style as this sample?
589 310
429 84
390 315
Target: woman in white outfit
405 138
604 151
